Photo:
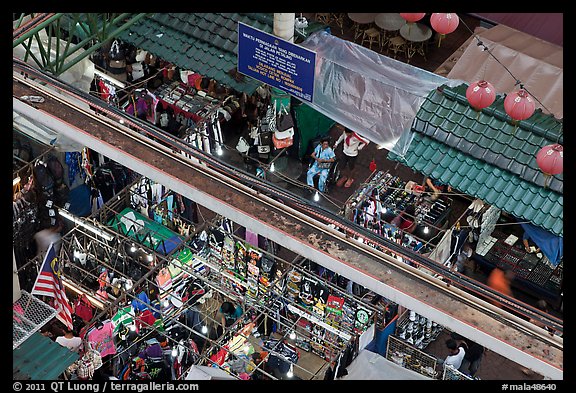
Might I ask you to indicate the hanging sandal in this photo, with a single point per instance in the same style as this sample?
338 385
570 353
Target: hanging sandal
341 181
348 182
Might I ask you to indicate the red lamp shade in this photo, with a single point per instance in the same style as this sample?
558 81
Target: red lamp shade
412 16
444 23
480 94
519 105
550 159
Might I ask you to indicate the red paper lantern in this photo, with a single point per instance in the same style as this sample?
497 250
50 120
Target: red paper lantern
480 94
444 23
550 159
411 17
519 105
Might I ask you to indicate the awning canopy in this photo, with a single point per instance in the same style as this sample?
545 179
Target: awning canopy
537 63
486 156
206 43
41 359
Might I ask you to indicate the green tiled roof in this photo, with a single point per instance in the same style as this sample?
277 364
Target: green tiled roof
484 155
206 43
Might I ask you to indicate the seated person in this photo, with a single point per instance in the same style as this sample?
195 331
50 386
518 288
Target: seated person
436 187
323 157
406 219
529 244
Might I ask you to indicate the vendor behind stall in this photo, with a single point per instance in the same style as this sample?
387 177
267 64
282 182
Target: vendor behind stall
230 313
436 187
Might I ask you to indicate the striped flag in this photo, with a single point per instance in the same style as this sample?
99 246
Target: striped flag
49 283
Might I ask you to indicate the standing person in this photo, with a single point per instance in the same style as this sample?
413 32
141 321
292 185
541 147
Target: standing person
436 187
474 353
70 341
456 354
230 313
353 143
500 280
323 157
47 236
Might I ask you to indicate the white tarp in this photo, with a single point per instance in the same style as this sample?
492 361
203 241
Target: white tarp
373 366
372 94
204 373
538 64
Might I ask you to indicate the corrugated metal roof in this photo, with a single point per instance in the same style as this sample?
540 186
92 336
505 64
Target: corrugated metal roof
206 43
492 184
39 358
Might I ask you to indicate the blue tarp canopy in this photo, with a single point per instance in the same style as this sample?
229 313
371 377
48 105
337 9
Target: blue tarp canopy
551 245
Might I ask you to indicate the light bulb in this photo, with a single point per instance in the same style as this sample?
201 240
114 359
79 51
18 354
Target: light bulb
316 196
290 372
133 248
292 335
360 240
272 169
426 229
150 257
121 121
174 352
204 329
132 328
219 150
383 210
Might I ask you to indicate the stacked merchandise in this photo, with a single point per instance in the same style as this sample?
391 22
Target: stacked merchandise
267 275
293 286
253 274
417 330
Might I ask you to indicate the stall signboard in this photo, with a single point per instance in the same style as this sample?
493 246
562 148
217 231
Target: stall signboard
276 62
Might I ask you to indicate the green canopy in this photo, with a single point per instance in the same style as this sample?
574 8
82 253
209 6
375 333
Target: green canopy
311 124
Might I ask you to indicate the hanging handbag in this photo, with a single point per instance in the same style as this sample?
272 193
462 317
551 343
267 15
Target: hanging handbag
283 142
284 119
271 118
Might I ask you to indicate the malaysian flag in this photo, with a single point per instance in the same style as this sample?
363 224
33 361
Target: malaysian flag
49 283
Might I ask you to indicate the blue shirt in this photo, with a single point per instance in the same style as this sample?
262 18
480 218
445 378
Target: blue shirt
325 154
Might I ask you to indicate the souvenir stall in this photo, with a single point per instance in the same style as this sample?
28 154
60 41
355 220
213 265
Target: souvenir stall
534 254
384 196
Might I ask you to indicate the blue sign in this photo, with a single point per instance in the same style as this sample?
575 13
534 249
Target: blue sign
276 62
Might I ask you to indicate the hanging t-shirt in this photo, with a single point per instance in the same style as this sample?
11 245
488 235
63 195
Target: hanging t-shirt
102 340
124 316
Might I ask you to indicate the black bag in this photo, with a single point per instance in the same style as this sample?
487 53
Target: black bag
285 121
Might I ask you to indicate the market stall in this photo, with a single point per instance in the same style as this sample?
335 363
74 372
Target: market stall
533 254
384 196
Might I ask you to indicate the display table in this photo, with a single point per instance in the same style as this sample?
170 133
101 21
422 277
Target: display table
533 275
383 197
184 100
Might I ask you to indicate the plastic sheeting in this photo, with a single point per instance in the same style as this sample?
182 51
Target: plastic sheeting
372 94
372 366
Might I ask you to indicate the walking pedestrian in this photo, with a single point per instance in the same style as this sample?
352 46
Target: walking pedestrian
353 143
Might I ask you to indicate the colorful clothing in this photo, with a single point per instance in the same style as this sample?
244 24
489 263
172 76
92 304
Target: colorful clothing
101 339
323 154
